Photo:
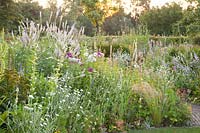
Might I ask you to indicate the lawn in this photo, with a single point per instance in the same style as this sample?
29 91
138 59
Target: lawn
169 130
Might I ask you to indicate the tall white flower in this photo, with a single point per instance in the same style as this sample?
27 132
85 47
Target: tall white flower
91 58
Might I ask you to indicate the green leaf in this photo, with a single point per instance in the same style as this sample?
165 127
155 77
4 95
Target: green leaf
3 117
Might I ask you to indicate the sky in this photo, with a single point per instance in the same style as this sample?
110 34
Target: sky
162 2
153 2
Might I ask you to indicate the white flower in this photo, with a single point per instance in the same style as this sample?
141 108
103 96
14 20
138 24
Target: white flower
91 58
86 54
52 93
31 96
76 60
39 106
28 108
47 115
17 89
95 54
63 100
41 125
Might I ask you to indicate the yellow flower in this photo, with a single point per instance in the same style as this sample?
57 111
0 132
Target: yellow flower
57 131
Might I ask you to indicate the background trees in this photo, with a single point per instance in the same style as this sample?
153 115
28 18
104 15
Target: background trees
117 24
190 23
161 20
9 15
30 10
97 11
106 16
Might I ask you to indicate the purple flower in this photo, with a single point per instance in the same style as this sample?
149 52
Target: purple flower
174 68
98 54
69 55
90 69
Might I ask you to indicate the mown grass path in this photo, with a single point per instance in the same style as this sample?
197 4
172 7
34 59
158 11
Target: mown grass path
168 130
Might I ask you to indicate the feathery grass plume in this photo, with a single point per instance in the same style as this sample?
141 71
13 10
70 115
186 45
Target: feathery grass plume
30 33
153 99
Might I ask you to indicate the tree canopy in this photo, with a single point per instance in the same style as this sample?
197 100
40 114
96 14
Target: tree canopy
161 20
105 16
9 15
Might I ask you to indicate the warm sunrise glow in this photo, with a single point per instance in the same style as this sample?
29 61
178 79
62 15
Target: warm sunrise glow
126 3
163 2
44 3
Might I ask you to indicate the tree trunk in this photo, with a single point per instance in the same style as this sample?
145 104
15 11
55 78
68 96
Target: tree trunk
97 27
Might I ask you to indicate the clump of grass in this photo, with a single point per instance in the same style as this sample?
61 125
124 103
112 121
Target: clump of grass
153 99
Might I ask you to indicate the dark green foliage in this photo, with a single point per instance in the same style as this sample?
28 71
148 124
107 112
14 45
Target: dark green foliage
83 21
9 15
30 10
23 60
115 48
160 20
196 39
189 24
124 42
137 112
175 112
46 63
117 24
183 26
9 83
93 12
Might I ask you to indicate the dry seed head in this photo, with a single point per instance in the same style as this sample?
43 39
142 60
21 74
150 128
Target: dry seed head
146 90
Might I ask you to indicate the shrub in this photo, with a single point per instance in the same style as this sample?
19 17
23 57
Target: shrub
177 40
153 100
196 39
13 85
106 49
14 89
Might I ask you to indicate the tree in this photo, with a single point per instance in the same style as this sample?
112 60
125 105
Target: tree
187 24
9 15
96 11
118 23
190 23
75 11
83 21
138 6
93 12
30 10
161 20
145 4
